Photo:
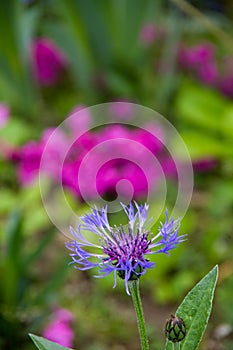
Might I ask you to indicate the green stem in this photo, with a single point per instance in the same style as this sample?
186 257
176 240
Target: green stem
176 346
135 294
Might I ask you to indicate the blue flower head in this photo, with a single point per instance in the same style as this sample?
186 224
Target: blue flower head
123 253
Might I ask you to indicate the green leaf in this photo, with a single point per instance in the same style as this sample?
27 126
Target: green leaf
11 258
44 344
16 132
201 144
226 122
16 86
200 106
195 311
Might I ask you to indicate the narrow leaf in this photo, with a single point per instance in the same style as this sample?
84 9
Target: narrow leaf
195 310
11 258
44 344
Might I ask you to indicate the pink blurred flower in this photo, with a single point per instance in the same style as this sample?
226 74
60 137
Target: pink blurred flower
70 176
113 131
225 85
111 152
112 172
79 120
28 159
201 61
64 315
153 140
48 61
149 33
192 57
169 167
29 156
4 114
208 73
95 162
205 164
121 110
59 329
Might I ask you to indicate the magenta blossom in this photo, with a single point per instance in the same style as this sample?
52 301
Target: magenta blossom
225 85
121 110
48 61
104 162
112 172
200 60
205 164
4 114
208 73
79 120
29 157
59 329
192 57
149 33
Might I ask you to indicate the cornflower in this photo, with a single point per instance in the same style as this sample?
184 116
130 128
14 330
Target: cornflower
123 252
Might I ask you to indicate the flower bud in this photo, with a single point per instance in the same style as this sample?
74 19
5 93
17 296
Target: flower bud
175 329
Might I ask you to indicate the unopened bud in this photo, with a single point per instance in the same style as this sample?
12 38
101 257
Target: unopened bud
175 329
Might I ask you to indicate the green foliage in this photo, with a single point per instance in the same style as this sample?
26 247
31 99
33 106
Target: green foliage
11 260
20 293
207 115
17 132
106 60
16 85
44 344
195 310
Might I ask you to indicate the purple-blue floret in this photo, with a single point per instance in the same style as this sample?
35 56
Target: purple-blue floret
123 252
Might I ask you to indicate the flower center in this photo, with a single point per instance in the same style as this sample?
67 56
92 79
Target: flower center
127 251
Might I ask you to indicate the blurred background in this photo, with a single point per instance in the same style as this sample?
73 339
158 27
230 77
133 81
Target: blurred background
175 57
